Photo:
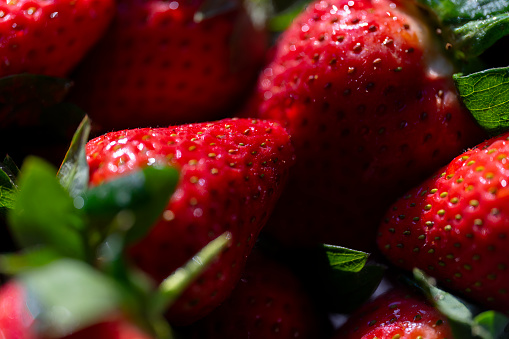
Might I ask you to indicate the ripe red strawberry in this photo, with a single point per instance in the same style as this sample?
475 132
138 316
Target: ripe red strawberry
268 302
157 66
396 314
365 89
18 321
49 37
455 227
232 173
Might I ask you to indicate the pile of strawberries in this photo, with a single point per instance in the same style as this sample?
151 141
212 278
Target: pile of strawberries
228 169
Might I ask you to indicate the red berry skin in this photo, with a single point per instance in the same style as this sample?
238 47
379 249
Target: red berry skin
49 37
269 301
15 317
232 172
17 321
455 225
396 312
156 66
366 91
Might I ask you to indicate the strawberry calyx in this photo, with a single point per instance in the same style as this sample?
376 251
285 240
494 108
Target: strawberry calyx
465 319
71 239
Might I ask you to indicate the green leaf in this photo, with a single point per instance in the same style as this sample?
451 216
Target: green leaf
14 263
486 95
44 213
7 199
280 21
475 37
74 171
460 11
131 203
459 316
8 173
68 295
345 259
173 286
493 323
351 289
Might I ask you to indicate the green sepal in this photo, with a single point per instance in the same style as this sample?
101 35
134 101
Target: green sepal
17 262
475 37
74 171
475 25
131 203
44 213
352 279
173 286
460 314
486 95
491 322
68 295
345 259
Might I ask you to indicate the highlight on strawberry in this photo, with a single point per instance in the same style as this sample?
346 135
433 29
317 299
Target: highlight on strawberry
227 189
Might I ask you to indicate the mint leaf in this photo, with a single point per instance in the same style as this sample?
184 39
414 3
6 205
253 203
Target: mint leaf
130 203
68 295
44 213
73 173
345 259
486 95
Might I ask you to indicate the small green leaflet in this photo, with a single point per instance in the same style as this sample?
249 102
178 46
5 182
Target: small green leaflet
16 262
494 323
173 286
44 213
73 173
8 186
345 259
68 295
487 325
461 11
476 24
130 203
486 95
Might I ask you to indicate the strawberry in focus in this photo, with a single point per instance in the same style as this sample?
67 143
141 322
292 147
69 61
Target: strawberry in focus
49 37
232 173
268 302
397 313
159 64
365 89
454 226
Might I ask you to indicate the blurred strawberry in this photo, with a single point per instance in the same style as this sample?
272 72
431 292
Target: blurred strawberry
49 37
170 62
268 302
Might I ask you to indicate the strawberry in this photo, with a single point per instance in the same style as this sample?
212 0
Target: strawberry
158 65
454 226
268 302
18 320
365 89
49 37
232 173
397 313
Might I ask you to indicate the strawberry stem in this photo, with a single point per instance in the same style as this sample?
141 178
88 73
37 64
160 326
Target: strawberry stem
173 286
